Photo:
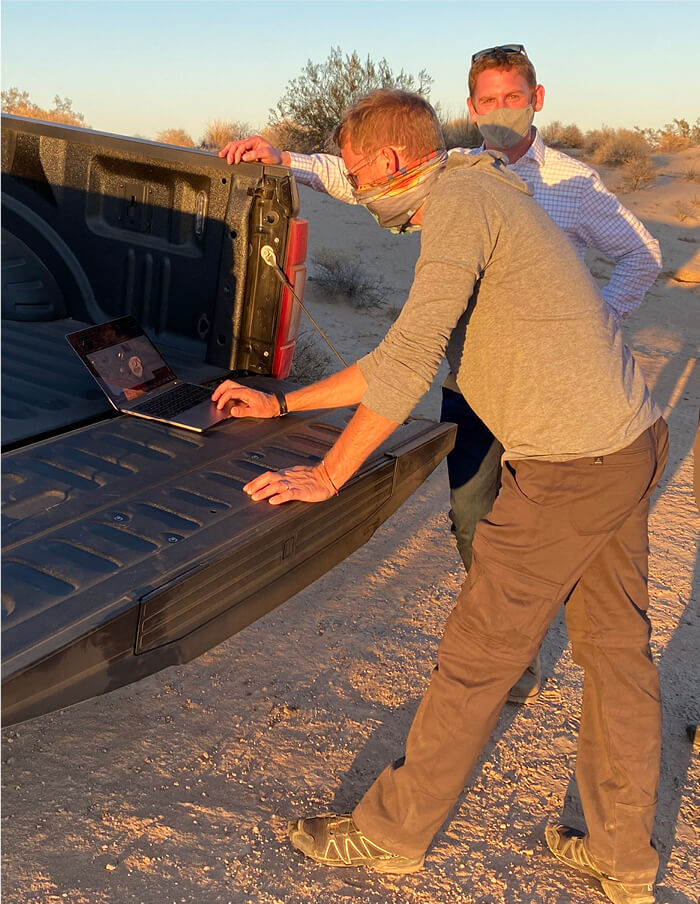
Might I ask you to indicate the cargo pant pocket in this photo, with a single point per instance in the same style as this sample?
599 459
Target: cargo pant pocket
508 607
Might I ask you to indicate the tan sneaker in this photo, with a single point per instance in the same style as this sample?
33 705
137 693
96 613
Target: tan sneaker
529 684
568 846
335 840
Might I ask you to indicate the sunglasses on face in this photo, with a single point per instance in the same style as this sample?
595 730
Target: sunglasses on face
503 48
351 176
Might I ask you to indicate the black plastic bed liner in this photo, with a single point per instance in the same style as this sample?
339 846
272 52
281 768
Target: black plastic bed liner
46 387
129 546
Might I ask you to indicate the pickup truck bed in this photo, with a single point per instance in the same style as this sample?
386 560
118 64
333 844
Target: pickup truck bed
46 387
128 545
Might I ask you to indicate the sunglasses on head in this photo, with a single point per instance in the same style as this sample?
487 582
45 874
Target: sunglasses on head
503 48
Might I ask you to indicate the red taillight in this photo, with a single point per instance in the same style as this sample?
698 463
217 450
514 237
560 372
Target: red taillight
290 310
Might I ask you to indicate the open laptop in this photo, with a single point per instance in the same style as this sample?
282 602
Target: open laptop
137 380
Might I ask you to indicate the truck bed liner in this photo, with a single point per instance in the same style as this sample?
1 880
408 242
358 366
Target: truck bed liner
46 387
129 545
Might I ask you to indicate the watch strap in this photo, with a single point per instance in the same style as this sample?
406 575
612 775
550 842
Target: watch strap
282 401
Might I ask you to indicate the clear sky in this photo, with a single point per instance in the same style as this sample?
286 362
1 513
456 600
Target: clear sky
136 67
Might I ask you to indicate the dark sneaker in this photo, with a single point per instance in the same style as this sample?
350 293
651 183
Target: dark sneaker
336 841
568 846
529 684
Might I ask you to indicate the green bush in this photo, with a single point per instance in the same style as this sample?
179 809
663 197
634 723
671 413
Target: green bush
315 100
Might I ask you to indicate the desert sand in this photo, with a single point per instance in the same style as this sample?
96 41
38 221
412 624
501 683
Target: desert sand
178 788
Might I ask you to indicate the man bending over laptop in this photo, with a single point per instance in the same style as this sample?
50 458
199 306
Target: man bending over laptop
500 291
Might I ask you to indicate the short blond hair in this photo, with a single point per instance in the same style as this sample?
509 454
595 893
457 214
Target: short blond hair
390 118
499 59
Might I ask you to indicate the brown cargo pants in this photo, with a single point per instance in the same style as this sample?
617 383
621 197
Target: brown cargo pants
573 532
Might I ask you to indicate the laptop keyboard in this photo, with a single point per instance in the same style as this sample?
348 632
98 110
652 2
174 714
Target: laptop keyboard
175 401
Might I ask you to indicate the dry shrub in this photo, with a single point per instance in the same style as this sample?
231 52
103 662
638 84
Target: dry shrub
613 147
683 210
692 174
177 137
675 136
220 131
460 132
288 136
310 362
637 172
560 136
667 141
18 103
341 273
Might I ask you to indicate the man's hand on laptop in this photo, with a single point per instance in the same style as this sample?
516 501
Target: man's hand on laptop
244 402
254 149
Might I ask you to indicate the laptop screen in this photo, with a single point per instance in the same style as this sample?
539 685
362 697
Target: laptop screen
122 359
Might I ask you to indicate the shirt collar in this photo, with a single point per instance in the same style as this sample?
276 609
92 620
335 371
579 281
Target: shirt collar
537 149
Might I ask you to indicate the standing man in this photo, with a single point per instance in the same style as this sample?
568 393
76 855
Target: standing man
533 348
503 97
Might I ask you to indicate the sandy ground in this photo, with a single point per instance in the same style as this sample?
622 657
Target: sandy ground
178 789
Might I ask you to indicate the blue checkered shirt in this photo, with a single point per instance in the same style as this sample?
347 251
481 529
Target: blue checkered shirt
574 197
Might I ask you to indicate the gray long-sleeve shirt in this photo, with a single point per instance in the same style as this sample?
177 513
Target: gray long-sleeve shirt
499 289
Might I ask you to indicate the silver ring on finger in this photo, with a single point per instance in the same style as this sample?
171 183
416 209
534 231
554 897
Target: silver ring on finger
287 484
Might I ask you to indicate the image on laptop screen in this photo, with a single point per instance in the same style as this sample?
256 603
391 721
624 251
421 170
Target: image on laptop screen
123 360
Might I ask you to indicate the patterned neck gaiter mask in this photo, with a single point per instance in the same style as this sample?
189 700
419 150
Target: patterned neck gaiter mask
394 201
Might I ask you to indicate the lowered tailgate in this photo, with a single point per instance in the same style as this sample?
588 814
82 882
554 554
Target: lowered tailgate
129 546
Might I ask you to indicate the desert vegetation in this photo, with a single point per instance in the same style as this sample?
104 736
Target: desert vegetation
629 149
692 173
637 172
311 361
178 137
19 103
308 111
459 131
559 135
312 103
341 274
220 131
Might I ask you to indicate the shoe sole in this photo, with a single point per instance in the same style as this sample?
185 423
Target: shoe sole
380 866
612 893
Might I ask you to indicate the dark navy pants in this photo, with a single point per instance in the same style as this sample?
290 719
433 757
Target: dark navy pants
474 469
